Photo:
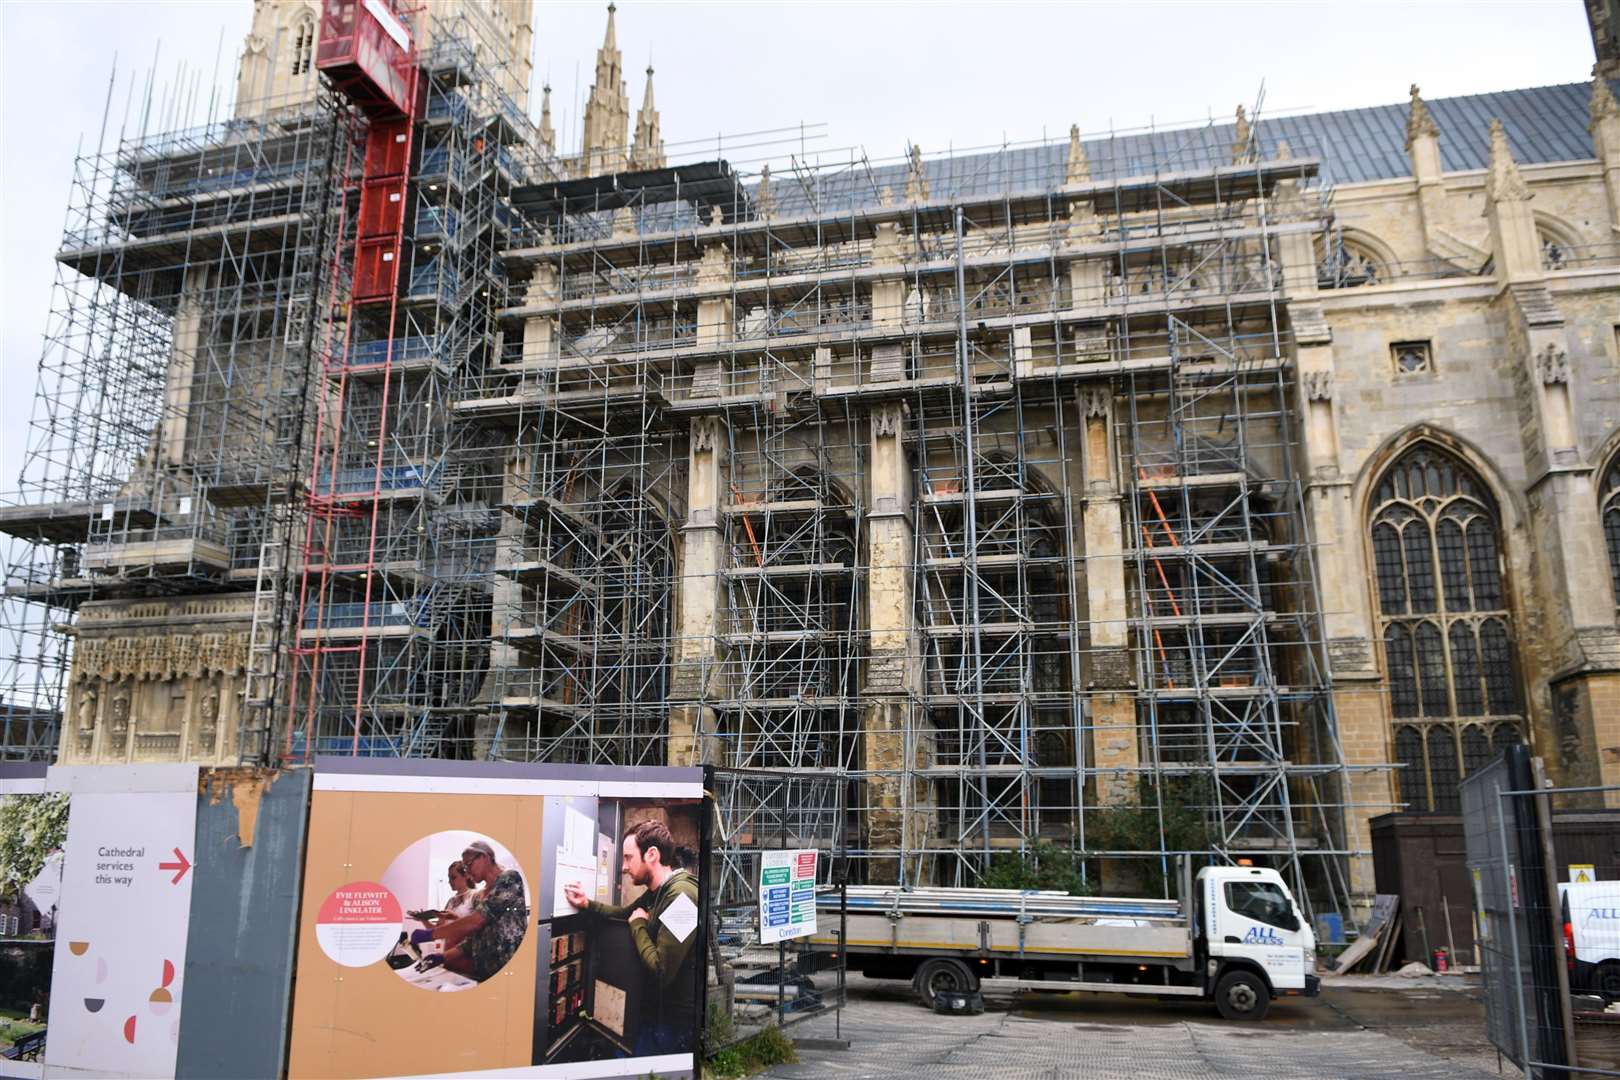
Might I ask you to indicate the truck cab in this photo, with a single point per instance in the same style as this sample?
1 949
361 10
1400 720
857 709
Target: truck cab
1591 919
1255 942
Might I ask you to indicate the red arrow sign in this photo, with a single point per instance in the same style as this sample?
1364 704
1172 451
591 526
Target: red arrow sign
180 867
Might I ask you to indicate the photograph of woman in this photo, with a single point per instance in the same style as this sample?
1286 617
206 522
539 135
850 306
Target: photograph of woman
465 921
463 894
479 943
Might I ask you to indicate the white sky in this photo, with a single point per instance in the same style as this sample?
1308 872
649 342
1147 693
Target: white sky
877 75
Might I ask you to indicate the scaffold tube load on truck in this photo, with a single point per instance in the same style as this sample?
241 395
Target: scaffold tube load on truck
1240 941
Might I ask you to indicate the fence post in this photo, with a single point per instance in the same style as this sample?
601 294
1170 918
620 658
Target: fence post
1543 808
1513 935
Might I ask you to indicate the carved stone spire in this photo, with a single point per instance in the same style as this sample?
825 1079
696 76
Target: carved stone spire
916 179
607 110
1515 245
648 150
1502 180
1418 121
548 135
1603 106
1242 139
1078 170
1605 129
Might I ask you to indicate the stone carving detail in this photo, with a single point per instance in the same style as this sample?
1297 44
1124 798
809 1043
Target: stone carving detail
886 674
886 421
1348 654
1095 401
89 698
1112 669
1077 169
764 197
1418 122
705 435
1318 385
161 656
715 263
916 178
1503 183
1603 104
1552 364
208 720
119 722
1242 138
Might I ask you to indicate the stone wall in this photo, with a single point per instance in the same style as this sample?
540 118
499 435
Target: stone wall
157 680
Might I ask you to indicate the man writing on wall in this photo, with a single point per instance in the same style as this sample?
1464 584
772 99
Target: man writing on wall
663 926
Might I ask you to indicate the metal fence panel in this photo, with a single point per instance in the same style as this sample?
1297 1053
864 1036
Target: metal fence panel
1507 828
1491 867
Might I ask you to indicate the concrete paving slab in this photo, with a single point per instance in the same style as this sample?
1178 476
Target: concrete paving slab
1110 1037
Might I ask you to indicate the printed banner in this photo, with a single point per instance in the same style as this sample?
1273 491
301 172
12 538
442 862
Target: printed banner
124 916
461 919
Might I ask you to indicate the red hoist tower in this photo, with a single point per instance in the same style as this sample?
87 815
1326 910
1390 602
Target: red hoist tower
367 53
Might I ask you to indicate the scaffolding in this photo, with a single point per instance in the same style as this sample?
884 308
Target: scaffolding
173 399
401 521
779 316
970 482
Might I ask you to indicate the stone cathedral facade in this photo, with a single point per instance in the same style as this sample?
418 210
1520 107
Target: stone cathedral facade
906 476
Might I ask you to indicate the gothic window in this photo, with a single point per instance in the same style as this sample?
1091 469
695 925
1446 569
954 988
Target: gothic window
1411 358
1556 251
1609 508
303 45
1342 264
1448 640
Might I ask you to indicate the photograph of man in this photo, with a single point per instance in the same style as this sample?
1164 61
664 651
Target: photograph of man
479 943
663 928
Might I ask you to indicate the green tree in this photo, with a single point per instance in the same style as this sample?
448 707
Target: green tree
31 827
1159 817
1042 865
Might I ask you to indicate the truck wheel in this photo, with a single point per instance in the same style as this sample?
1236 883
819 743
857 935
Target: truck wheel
940 975
1242 995
1606 979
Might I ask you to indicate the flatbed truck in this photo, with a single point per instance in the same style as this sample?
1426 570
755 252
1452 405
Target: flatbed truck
1236 937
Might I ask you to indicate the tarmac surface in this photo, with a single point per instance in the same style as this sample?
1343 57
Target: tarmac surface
1420 1029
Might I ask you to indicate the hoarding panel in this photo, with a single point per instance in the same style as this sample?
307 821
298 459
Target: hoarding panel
118 983
429 933
33 827
250 856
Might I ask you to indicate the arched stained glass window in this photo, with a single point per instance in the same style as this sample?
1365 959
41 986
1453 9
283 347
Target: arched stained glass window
1609 508
1448 639
1413 772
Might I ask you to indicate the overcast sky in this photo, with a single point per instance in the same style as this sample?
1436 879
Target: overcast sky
865 74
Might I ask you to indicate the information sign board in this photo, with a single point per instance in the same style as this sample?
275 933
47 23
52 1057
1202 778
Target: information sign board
787 895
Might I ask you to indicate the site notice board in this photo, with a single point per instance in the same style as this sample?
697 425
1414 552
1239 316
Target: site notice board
787 895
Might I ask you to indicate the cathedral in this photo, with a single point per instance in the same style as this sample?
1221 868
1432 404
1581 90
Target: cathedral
1253 479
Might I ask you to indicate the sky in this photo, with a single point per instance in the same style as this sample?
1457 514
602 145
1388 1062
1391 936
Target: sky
841 74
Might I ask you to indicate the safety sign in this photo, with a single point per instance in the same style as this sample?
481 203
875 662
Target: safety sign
787 895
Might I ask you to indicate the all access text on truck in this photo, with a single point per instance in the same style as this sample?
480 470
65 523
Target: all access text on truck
1240 941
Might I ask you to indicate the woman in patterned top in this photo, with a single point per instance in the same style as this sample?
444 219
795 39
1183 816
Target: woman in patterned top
480 943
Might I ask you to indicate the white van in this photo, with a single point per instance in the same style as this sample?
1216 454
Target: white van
1591 916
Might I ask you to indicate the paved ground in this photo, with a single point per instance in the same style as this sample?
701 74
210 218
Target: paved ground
1430 1030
